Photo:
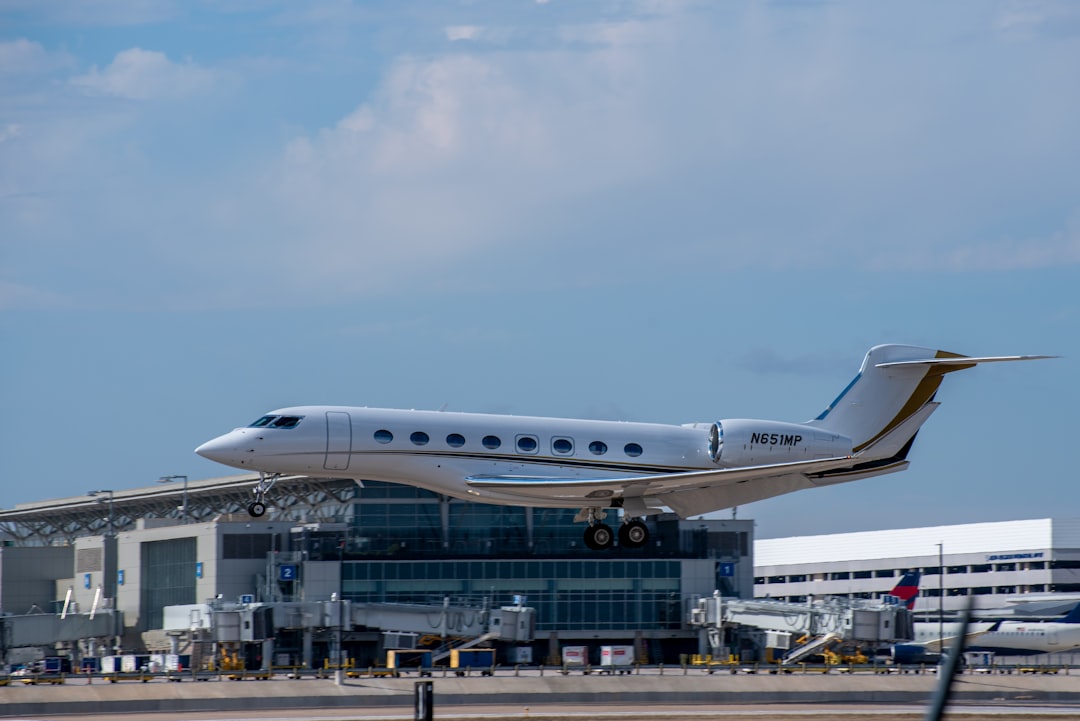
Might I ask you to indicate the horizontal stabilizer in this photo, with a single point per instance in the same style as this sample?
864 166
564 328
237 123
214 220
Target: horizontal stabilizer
962 360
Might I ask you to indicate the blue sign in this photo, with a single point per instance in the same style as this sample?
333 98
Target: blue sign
247 598
726 570
287 573
86 580
120 577
198 570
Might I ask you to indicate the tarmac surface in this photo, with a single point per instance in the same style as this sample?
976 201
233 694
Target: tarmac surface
695 696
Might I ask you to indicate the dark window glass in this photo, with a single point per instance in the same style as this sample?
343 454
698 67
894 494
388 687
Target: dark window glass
287 422
861 574
455 440
562 446
527 444
491 442
632 449
419 438
264 421
598 448
384 436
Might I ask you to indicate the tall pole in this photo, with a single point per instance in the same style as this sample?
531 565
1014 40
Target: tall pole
112 524
941 591
184 507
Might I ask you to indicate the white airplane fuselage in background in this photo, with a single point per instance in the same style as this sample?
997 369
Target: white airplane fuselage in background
1003 638
641 468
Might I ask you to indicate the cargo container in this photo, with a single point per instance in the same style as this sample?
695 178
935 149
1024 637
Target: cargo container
409 659
616 659
480 659
575 656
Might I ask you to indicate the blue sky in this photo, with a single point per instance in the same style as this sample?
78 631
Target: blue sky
655 211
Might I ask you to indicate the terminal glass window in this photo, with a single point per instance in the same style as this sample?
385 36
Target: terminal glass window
571 594
168 578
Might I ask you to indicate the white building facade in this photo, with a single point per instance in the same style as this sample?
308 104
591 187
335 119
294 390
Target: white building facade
996 563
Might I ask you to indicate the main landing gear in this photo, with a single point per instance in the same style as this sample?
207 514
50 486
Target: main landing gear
257 508
633 533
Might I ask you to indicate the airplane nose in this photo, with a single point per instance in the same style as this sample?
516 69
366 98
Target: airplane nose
223 449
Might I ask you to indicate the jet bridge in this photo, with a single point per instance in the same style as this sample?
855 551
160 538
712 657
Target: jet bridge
821 622
400 625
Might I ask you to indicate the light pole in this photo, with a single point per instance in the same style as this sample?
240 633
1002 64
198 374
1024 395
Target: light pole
941 592
184 508
112 526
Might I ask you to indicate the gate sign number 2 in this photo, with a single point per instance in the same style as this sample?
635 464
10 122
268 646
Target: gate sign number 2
288 573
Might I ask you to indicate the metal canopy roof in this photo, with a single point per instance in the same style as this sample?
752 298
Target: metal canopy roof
293 498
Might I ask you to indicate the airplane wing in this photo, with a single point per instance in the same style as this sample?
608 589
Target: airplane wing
687 493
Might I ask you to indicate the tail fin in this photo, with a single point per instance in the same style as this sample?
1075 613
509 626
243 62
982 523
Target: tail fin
907 588
1072 616
894 392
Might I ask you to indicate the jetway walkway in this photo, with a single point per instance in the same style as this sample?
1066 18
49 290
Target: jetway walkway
823 621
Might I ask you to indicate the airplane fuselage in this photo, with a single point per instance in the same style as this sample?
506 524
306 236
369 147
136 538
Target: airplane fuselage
1011 638
437 450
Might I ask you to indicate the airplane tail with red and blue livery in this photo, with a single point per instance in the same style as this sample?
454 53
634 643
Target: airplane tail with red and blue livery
907 589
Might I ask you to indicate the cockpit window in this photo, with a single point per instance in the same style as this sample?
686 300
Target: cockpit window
277 422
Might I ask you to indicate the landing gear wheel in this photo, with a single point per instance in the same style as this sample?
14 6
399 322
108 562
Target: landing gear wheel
633 534
599 537
256 509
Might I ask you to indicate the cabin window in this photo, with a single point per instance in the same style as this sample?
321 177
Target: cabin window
491 442
455 440
632 449
562 446
419 438
384 436
527 444
598 448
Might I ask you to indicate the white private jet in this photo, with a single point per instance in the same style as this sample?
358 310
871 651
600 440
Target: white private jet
641 468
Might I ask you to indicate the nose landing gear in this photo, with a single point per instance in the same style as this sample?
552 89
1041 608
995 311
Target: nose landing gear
257 508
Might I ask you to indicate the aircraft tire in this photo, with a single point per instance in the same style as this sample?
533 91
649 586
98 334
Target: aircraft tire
256 509
599 537
633 534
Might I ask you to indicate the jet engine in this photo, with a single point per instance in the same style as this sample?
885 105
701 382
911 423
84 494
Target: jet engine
744 442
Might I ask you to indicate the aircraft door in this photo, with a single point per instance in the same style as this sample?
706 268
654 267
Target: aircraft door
338 440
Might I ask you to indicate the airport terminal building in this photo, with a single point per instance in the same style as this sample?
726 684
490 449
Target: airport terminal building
380 543
380 546
996 563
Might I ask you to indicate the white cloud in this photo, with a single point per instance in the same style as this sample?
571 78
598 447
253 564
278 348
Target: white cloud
463 32
145 74
1052 251
9 132
26 57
